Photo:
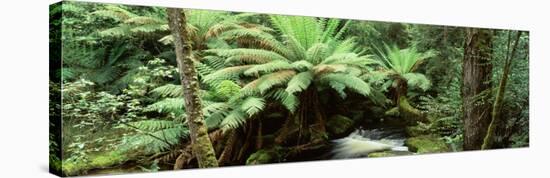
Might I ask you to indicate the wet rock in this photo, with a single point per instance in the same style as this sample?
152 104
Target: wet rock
339 125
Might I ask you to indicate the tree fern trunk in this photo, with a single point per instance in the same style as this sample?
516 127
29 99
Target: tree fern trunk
307 123
476 81
489 140
249 131
202 147
407 112
230 144
259 136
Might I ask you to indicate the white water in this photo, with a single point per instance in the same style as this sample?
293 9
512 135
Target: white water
362 142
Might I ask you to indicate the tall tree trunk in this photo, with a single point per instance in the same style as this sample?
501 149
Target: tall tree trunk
201 145
476 85
496 119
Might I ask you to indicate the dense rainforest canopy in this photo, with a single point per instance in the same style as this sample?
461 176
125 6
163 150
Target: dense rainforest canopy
261 88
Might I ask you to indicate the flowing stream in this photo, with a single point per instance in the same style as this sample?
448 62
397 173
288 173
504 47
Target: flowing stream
361 142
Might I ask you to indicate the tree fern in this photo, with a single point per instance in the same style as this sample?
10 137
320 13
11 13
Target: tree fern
308 52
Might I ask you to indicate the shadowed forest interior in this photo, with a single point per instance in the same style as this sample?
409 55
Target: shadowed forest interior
145 89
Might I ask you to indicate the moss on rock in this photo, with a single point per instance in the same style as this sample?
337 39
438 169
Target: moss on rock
94 162
264 156
388 154
339 125
427 144
415 131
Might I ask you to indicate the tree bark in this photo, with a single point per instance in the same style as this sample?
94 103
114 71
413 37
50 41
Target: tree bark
496 119
307 123
476 85
201 144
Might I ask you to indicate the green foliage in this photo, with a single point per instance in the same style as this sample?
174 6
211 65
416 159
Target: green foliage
313 54
123 101
417 80
227 89
168 105
153 136
402 61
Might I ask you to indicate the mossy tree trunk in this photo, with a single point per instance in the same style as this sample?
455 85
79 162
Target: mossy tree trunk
496 119
476 85
201 144
407 112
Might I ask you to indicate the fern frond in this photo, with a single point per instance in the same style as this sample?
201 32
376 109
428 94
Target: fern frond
226 73
149 28
289 101
349 81
302 65
168 105
144 20
219 28
253 105
317 53
329 68
299 82
114 12
346 46
268 81
342 30
154 125
214 107
234 120
267 68
339 88
122 30
297 52
168 90
255 56
329 30
417 80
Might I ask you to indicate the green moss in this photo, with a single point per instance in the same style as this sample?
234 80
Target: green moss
410 113
427 144
380 154
388 154
392 112
339 125
414 131
94 161
264 156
